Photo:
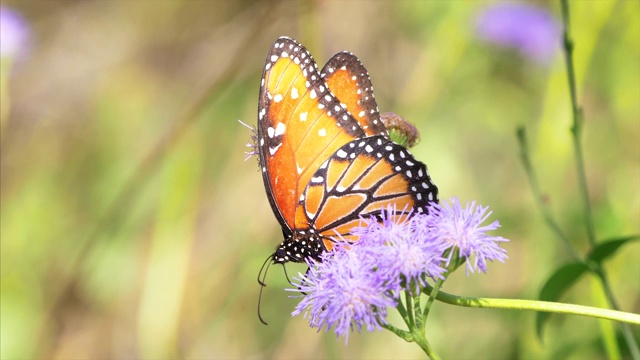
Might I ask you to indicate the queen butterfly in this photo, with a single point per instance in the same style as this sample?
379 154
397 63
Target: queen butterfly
326 157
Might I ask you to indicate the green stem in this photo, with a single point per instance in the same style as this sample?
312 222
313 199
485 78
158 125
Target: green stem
545 306
405 335
537 194
576 128
421 340
454 263
403 312
626 331
576 131
415 333
417 310
410 313
433 292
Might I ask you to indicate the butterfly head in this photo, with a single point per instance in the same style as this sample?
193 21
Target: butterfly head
298 246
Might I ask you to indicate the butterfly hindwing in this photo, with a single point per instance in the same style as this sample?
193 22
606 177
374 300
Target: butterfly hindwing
359 180
300 125
349 81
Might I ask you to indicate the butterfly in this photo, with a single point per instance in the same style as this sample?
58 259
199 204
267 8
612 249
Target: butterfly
325 155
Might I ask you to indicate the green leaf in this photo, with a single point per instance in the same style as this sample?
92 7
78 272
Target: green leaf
609 247
561 280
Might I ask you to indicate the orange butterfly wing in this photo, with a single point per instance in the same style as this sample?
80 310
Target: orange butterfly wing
325 155
300 125
359 180
349 81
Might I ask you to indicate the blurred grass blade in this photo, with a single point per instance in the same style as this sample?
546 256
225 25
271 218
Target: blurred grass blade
561 280
609 247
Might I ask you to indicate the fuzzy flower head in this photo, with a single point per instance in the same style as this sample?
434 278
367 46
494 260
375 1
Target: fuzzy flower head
461 228
398 245
342 293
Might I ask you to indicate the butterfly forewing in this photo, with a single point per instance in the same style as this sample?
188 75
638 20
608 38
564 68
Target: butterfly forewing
300 125
359 180
350 83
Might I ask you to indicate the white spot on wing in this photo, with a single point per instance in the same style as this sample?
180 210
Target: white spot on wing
303 116
272 150
280 128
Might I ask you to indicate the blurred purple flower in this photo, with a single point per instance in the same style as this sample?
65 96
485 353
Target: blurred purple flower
530 29
14 33
462 228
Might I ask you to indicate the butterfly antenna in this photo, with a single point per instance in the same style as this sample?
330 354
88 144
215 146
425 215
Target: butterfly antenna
259 301
262 276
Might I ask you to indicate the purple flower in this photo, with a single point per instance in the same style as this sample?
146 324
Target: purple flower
343 293
352 285
14 33
530 29
400 247
462 228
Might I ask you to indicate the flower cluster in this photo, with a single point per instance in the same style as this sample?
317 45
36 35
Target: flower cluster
352 286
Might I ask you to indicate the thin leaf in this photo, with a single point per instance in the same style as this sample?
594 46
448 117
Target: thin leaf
561 280
609 247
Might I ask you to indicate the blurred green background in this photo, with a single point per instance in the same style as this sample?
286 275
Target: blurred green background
132 227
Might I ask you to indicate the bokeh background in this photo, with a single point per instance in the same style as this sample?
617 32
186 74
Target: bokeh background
132 227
